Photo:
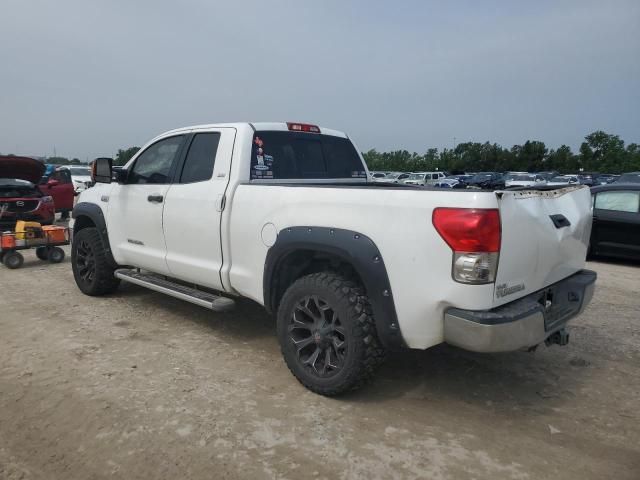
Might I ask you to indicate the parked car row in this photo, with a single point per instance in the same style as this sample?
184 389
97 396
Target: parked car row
497 180
33 191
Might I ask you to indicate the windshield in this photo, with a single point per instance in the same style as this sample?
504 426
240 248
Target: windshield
15 182
80 171
512 176
522 178
560 179
14 187
416 176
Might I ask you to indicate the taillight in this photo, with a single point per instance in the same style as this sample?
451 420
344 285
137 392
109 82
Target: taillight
474 236
303 127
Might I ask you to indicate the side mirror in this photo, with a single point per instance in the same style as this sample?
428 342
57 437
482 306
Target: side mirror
52 183
101 169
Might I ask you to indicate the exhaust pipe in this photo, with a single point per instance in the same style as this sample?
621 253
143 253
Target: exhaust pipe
561 337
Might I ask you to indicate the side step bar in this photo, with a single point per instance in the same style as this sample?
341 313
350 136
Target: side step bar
160 284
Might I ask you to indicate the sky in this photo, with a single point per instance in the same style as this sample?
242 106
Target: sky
86 78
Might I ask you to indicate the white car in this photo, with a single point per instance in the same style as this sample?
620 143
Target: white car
424 178
523 180
378 176
563 180
81 178
284 214
396 177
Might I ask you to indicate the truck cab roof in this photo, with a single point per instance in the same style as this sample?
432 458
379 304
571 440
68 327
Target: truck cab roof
257 126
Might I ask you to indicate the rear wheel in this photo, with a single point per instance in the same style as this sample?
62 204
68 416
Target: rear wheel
91 270
13 260
327 334
42 253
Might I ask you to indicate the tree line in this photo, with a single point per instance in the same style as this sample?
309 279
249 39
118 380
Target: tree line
600 152
122 157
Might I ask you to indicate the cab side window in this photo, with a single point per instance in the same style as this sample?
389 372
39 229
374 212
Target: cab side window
154 165
198 166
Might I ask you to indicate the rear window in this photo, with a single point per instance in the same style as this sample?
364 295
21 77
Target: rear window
292 155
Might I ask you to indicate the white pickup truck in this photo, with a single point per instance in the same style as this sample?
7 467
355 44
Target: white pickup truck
283 214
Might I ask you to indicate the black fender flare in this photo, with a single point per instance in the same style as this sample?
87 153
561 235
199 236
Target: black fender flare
94 213
353 248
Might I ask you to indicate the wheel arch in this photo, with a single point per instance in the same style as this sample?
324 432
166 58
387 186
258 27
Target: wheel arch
86 215
303 250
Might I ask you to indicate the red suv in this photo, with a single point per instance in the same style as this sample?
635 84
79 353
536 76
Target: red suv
20 198
59 185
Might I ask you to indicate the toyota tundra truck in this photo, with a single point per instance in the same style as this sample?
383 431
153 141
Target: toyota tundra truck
283 214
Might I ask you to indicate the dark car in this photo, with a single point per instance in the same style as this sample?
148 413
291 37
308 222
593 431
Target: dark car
486 181
605 178
20 198
631 177
616 220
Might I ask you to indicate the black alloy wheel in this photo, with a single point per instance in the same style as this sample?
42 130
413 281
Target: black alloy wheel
327 333
318 335
85 261
93 271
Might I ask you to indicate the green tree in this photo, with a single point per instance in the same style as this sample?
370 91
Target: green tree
563 160
58 160
123 156
602 152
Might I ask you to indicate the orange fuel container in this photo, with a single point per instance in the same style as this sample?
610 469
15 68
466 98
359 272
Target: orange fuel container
55 234
7 241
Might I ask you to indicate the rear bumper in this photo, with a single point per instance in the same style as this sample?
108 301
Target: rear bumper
523 323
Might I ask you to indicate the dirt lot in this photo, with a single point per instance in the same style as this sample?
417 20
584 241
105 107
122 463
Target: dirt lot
138 385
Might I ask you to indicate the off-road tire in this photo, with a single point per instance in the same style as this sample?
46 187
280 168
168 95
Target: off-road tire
42 253
102 281
363 353
13 260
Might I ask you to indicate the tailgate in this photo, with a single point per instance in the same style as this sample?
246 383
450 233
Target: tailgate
545 235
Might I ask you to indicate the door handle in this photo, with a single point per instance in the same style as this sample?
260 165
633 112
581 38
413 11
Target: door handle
155 198
560 221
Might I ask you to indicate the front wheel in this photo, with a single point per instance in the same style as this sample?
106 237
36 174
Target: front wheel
327 334
91 269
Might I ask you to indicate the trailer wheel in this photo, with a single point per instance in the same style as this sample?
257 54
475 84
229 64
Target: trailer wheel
55 255
13 260
42 253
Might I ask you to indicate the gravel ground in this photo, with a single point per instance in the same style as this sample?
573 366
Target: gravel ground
139 385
